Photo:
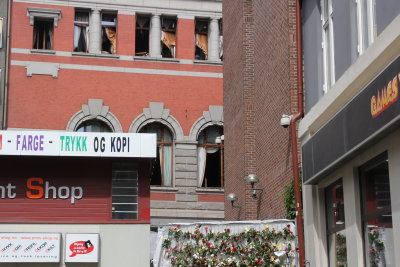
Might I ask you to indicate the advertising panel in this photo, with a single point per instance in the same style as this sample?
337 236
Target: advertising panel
82 247
30 247
52 143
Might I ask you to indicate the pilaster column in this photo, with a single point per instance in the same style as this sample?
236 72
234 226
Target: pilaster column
95 32
213 40
155 36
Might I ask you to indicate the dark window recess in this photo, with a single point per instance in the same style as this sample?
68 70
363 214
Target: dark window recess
142 35
93 126
43 34
168 37
81 31
161 168
336 224
221 41
109 29
377 212
210 158
201 39
125 192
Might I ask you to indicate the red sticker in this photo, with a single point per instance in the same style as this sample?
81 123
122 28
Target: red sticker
81 247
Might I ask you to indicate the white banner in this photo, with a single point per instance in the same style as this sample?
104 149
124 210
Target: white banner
49 143
82 247
29 247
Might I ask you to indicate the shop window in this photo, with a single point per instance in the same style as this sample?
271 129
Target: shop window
161 169
168 37
94 126
109 30
336 224
142 35
210 158
125 191
377 213
201 39
43 33
81 31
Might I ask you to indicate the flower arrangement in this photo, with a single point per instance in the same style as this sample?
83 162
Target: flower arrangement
250 247
376 245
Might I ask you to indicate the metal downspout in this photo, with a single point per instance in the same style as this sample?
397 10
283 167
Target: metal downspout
7 71
293 137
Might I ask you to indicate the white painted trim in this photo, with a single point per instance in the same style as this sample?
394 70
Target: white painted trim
127 70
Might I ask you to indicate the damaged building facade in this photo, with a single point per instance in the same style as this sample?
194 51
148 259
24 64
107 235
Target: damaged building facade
129 67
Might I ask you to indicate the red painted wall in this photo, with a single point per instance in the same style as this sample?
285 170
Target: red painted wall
92 174
43 102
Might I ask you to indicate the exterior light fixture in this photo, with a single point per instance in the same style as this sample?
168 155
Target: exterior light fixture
219 139
232 198
252 179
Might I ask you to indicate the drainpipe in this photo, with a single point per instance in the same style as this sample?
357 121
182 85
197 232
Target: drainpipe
293 136
7 72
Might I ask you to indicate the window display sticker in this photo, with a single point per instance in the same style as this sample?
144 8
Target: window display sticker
30 247
82 247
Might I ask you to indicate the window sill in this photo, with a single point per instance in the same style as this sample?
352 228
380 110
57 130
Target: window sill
147 58
43 51
163 189
207 62
83 54
210 190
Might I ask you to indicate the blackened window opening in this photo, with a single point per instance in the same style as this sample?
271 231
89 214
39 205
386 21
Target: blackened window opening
81 31
168 37
201 39
109 33
43 34
142 35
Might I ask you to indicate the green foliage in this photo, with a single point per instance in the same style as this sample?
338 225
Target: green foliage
289 201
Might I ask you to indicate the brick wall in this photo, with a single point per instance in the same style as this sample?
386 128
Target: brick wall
259 86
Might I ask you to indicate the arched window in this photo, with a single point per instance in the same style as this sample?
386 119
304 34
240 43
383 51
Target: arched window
161 172
210 158
94 126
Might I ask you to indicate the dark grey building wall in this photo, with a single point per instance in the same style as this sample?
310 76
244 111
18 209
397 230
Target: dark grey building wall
312 49
345 35
386 11
3 50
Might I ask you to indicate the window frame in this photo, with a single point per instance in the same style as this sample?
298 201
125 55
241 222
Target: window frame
328 44
221 147
365 24
82 24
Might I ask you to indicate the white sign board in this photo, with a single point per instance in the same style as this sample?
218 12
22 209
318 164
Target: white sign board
29 247
49 143
82 247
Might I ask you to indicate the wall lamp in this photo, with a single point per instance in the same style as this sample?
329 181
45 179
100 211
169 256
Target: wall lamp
252 179
232 198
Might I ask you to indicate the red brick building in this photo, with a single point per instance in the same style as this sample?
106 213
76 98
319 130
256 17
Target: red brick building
128 67
259 86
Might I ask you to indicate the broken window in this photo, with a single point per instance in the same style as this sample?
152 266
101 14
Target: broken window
161 169
94 125
210 158
201 39
81 31
142 35
109 29
168 37
43 33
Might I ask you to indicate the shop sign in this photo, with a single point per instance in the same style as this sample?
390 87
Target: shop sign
49 143
373 113
82 247
29 247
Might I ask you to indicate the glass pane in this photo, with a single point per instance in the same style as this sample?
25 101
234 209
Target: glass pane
94 126
124 215
337 249
380 246
335 205
364 21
